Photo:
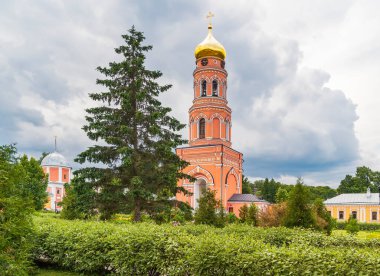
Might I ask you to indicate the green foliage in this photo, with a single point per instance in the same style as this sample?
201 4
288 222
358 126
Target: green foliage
98 248
243 213
34 182
221 216
139 167
249 214
207 206
186 209
299 212
324 221
322 192
268 189
362 226
231 218
16 207
273 216
79 201
352 226
177 215
281 195
247 186
43 155
252 217
359 183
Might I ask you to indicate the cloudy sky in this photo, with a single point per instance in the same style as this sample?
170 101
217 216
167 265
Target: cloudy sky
303 75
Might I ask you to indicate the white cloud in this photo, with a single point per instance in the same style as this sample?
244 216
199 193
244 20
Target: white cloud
285 60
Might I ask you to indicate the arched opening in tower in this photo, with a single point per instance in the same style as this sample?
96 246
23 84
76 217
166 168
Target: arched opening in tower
199 188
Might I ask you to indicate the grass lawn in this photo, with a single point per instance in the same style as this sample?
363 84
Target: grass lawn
360 235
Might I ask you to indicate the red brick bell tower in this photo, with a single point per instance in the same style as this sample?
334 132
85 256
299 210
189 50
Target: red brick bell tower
213 161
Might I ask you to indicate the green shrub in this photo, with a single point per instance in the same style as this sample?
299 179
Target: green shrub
252 217
231 218
352 226
148 249
243 213
177 215
206 211
249 214
362 226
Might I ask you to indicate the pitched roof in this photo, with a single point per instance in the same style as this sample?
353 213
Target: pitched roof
354 199
245 198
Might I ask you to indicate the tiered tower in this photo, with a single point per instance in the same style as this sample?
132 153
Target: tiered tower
56 166
213 162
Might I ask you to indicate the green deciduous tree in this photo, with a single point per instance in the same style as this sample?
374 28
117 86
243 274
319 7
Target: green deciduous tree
35 182
79 201
299 212
15 215
322 192
281 195
136 136
43 155
359 183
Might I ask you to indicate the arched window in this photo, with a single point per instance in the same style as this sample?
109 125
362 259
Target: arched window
204 87
215 88
202 128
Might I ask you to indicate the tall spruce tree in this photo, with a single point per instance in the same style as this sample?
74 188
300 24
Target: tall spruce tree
136 136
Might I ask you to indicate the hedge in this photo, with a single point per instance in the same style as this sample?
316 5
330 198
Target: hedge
362 226
148 249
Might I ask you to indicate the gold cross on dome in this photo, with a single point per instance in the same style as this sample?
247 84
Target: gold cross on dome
209 16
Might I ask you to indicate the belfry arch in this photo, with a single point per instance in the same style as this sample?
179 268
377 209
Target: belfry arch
233 176
198 171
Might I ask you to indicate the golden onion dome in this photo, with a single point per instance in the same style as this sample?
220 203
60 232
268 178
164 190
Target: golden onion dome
210 47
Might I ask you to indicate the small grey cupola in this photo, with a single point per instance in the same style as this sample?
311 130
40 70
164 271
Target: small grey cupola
368 192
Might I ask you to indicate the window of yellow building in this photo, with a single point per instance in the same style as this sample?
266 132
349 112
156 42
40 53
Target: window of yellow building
341 214
354 214
374 215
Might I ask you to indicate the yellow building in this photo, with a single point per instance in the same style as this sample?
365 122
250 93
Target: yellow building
364 207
